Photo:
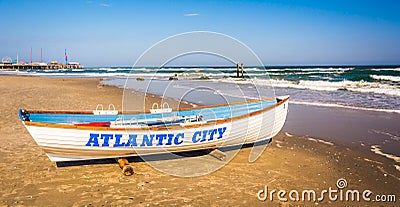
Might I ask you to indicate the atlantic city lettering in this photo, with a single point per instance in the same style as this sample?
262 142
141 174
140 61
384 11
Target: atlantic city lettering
134 140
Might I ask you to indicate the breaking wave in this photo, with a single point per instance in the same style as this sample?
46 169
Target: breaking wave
386 77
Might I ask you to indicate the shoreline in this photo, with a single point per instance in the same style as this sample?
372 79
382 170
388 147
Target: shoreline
289 162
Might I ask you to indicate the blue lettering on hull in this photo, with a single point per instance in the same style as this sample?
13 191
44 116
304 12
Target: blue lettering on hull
149 140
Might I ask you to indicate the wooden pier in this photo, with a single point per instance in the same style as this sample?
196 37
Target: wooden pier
39 66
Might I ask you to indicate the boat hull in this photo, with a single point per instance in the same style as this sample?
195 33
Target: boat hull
71 144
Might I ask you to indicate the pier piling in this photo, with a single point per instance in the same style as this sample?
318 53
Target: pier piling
242 70
237 70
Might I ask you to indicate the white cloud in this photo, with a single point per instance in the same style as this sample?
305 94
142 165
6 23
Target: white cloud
104 4
191 15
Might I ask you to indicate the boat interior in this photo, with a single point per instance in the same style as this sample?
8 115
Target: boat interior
163 116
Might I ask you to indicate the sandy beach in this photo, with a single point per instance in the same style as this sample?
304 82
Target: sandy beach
290 162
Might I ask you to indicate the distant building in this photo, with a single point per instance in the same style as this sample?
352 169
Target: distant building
7 63
73 65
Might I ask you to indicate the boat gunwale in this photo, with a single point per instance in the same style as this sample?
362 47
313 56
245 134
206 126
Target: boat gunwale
156 128
147 111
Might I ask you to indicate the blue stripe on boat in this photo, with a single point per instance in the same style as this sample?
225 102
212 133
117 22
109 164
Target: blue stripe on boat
214 113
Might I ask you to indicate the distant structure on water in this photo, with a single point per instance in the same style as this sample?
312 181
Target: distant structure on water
7 63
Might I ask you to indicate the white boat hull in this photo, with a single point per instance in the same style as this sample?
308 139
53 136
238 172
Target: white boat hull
70 144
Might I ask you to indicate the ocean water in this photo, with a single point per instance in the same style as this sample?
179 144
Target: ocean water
375 88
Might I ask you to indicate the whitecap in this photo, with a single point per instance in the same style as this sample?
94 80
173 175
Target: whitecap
386 69
386 77
354 86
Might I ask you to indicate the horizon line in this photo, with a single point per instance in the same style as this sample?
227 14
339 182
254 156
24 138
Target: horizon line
277 65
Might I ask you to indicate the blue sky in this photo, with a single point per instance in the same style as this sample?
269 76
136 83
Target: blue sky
287 32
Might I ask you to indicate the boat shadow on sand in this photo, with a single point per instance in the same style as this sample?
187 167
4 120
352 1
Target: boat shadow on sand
163 156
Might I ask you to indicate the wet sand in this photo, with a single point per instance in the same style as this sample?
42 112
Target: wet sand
290 162
368 128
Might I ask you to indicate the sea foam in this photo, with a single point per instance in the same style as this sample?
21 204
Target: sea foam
320 140
377 150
